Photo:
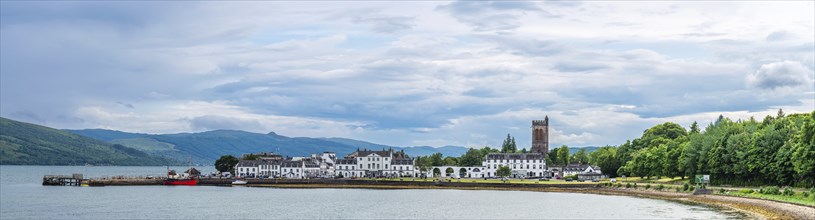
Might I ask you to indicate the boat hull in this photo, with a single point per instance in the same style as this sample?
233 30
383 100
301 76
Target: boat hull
175 182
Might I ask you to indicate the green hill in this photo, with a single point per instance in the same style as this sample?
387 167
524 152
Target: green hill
205 147
29 144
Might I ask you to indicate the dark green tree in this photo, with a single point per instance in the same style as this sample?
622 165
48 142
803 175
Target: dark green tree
509 145
503 171
436 159
472 157
563 155
226 164
580 156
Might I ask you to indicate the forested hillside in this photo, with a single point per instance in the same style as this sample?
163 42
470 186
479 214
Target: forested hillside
28 144
777 150
205 147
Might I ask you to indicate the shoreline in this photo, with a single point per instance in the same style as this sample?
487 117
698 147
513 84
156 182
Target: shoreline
755 208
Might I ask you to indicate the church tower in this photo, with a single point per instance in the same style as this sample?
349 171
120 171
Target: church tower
540 136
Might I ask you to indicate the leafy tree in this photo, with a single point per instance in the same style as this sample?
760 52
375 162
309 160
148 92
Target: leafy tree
250 157
803 156
580 156
436 159
472 157
503 171
226 164
563 155
451 161
523 150
552 157
606 159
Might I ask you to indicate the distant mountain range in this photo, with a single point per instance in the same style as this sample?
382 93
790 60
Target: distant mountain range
29 144
206 147
24 143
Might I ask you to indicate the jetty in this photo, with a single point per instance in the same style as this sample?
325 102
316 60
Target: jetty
63 180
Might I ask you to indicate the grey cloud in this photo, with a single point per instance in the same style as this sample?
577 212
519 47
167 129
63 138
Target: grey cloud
786 74
526 46
216 122
128 105
492 15
579 66
779 36
387 24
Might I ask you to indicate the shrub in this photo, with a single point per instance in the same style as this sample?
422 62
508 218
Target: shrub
685 187
761 190
635 185
619 185
772 190
627 185
722 190
660 187
805 194
788 192
647 186
677 189
692 188
746 191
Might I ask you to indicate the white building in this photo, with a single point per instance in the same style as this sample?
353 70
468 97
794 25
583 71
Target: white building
247 168
522 164
384 163
574 169
457 171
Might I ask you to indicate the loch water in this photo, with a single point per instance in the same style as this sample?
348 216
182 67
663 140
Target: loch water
23 197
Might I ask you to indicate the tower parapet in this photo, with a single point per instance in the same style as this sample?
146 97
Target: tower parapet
540 136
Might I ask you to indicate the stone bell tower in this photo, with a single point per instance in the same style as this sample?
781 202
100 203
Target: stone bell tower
540 136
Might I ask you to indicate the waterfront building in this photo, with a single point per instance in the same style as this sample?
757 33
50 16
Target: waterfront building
575 169
247 168
522 164
457 171
268 168
301 169
370 163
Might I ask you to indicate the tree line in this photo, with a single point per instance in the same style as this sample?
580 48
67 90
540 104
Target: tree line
777 150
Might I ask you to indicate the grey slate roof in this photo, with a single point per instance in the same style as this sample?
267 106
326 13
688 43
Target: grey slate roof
578 167
346 161
401 161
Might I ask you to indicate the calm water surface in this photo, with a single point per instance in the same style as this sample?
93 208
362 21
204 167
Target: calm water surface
23 197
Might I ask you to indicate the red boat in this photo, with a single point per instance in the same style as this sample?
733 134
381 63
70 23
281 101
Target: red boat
181 182
190 181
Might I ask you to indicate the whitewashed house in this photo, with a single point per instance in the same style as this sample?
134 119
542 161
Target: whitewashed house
247 168
522 164
574 169
384 163
269 168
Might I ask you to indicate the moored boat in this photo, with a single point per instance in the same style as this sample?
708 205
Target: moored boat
239 182
181 182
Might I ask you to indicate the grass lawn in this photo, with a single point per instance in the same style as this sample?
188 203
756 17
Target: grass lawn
797 198
664 180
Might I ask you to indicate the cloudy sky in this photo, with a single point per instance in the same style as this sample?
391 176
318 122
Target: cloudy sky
404 73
